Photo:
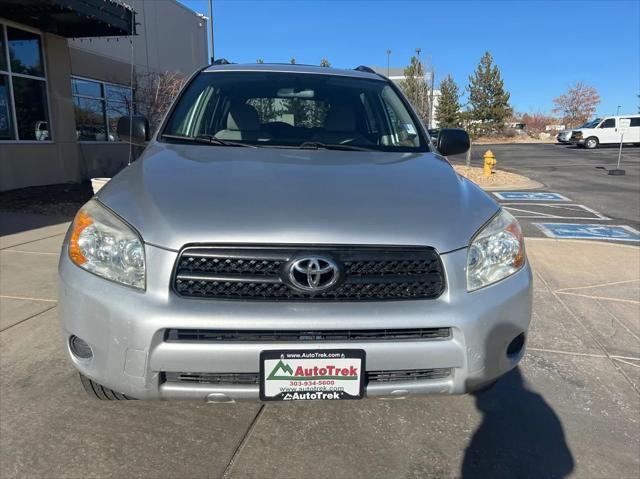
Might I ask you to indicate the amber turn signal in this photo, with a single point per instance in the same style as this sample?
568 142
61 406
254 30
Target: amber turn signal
81 221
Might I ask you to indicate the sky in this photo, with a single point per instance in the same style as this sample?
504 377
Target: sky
541 47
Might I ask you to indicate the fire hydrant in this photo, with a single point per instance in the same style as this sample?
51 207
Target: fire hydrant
489 163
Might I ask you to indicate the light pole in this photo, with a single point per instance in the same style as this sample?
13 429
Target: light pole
388 60
211 29
420 91
618 110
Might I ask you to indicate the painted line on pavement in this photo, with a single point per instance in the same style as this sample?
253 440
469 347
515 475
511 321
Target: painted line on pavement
599 285
605 298
589 231
27 298
28 252
525 210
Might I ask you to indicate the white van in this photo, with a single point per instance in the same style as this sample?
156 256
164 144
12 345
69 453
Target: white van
602 131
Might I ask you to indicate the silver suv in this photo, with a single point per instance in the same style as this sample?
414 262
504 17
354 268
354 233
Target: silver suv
292 233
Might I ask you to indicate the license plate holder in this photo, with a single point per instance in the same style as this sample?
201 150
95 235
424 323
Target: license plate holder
312 374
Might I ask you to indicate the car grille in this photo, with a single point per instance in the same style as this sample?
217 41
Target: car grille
254 378
296 335
364 273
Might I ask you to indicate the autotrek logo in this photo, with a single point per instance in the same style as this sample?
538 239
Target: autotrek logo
283 371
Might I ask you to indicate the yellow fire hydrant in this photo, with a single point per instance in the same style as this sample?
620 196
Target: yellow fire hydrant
489 163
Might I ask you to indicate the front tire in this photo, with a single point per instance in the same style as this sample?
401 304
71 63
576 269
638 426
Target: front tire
96 391
591 143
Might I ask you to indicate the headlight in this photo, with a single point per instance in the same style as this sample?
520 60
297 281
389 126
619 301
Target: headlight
105 245
496 252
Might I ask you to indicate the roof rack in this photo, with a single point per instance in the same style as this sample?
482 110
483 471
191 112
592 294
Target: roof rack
221 61
363 68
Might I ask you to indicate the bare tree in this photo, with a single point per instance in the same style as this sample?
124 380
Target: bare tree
578 104
154 93
536 122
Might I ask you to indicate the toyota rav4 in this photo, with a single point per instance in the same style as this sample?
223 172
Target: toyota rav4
292 233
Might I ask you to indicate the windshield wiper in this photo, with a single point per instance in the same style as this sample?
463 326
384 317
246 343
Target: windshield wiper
316 145
208 139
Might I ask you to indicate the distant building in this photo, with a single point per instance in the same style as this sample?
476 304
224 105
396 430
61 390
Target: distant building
396 75
65 76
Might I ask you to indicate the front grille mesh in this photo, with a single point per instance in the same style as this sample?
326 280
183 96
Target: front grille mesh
297 335
366 273
254 378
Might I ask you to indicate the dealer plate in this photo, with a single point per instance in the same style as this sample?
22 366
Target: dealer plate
299 375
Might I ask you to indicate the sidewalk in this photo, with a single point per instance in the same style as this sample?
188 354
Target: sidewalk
572 407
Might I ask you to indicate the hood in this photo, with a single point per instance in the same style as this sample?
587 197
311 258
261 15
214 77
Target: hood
184 194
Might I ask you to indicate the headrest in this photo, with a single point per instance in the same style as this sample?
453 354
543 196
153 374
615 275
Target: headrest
340 119
243 117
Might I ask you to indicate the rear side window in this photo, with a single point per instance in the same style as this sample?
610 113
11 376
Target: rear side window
635 121
609 123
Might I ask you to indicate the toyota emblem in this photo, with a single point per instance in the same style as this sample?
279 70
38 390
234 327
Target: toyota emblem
313 273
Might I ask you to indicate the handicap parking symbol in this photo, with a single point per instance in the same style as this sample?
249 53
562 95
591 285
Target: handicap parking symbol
530 196
589 231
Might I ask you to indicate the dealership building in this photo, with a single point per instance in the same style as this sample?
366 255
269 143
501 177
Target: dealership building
66 69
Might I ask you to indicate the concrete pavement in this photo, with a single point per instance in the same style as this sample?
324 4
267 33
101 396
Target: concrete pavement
570 409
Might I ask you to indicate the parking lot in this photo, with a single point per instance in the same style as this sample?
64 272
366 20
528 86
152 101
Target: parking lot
579 175
571 409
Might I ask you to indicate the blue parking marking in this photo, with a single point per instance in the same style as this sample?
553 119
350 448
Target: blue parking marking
589 231
530 196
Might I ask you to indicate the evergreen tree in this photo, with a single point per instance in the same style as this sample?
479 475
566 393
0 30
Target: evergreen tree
448 109
416 89
259 60
325 63
292 61
488 99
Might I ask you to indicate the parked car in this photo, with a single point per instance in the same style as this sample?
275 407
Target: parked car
290 233
564 136
607 131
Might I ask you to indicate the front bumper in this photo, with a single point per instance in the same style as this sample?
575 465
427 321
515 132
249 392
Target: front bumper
126 331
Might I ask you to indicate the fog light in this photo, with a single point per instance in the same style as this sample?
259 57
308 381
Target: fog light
80 348
516 345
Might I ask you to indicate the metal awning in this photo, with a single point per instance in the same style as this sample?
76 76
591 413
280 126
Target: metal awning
72 18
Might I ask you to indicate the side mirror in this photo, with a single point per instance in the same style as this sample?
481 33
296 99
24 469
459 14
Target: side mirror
134 130
453 141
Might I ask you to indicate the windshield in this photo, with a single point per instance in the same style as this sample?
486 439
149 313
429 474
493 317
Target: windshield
591 124
294 110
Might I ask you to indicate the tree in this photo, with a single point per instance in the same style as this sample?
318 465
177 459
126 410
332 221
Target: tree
577 105
154 93
448 109
536 122
292 61
416 89
259 60
488 100
325 63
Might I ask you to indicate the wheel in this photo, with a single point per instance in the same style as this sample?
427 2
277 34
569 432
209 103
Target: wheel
96 391
591 143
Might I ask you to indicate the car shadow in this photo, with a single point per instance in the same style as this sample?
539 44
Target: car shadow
520 435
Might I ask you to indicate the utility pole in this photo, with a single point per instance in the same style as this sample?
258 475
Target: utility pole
431 107
213 57
618 110
421 81
388 60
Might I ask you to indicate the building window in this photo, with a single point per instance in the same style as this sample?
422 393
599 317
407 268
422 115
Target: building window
24 109
98 107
